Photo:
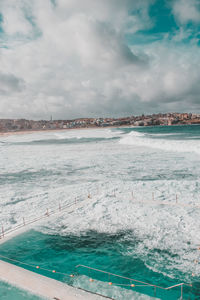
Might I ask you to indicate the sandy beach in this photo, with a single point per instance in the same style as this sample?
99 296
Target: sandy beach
34 131
4 134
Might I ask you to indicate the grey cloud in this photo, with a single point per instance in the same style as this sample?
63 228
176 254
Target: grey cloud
81 65
9 84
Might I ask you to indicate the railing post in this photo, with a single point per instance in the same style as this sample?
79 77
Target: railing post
24 222
154 291
153 196
176 198
181 292
59 207
2 231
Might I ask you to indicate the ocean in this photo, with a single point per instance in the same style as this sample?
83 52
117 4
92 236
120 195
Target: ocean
141 219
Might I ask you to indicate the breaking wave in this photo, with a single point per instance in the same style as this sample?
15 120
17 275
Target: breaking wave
120 174
62 137
145 140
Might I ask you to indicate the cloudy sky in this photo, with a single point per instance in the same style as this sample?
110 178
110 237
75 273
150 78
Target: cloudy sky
79 58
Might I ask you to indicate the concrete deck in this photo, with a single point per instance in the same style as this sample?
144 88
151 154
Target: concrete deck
41 285
36 283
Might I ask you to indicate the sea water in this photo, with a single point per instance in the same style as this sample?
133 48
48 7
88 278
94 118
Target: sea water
141 220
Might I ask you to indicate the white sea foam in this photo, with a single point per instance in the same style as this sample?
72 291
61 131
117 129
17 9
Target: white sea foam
116 292
162 144
60 135
36 178
155 226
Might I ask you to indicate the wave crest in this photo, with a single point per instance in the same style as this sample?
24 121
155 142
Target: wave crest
143 140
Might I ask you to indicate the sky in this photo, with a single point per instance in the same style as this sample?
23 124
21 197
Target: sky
98 58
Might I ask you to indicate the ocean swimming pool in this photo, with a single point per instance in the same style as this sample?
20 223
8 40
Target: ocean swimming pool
9 292
112 232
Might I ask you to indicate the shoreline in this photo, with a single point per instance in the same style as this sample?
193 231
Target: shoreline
9 133
22 132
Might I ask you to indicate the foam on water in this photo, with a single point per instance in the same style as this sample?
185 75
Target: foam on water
158 228
61 135
119 174
103 288
142 140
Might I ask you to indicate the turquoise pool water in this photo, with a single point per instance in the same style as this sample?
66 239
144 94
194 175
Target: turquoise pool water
9 292
105 251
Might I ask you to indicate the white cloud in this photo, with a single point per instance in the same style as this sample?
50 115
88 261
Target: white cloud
80 64
187 11
14 18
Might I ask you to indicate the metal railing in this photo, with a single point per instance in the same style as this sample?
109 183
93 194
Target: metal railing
47 214
39 268
134 282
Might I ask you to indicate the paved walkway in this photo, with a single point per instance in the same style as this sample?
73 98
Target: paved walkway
41 285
